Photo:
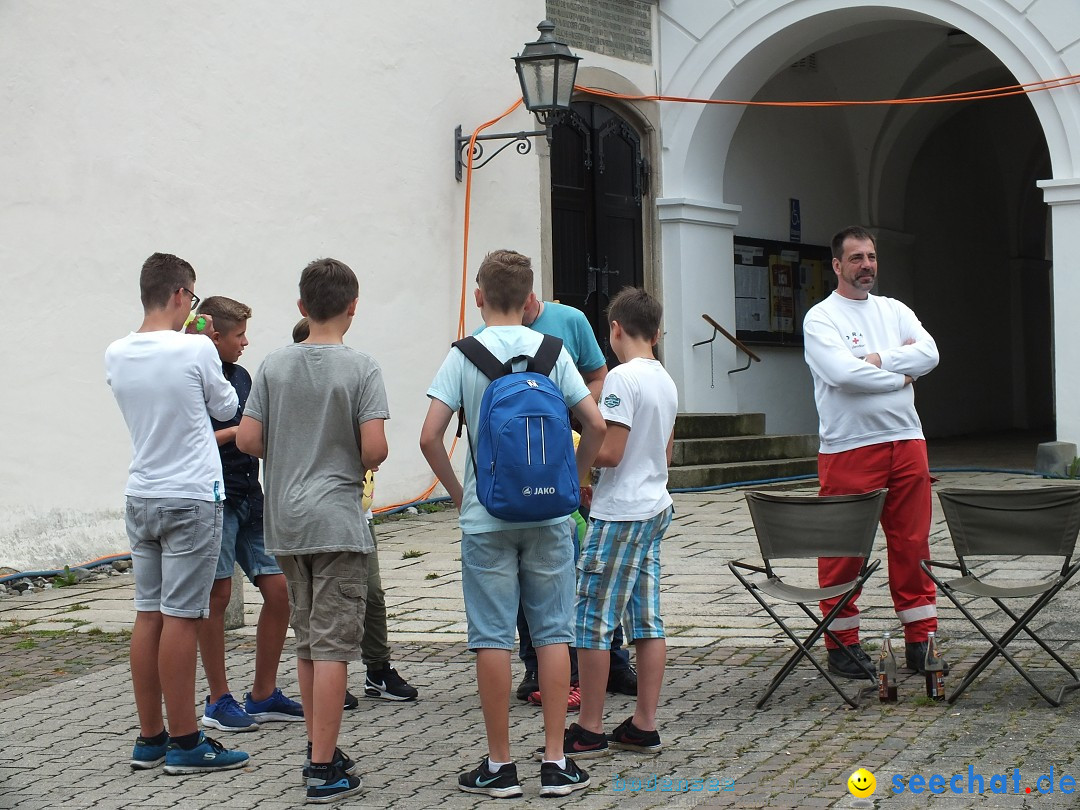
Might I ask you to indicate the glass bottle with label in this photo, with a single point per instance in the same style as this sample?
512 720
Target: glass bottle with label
886 671
935 670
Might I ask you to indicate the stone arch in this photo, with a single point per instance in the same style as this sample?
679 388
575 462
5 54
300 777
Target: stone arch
742 49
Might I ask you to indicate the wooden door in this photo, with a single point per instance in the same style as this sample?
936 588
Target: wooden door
597 186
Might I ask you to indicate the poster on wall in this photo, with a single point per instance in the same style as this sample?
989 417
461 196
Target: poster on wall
776 283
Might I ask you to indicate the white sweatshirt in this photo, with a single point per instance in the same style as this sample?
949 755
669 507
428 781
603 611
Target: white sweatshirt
859 404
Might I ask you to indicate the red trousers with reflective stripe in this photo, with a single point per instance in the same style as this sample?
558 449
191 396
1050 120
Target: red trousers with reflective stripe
903 468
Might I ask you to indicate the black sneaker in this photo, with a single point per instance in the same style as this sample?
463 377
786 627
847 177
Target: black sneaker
556 781
329 783
623 681
385 683
501 785
350 700
915 657
629 737
341 760
529 684
862 668
580 742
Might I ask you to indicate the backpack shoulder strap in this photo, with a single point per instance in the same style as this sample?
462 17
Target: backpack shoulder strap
543 362
479 355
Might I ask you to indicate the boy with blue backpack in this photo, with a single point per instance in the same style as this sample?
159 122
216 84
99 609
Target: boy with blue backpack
521 485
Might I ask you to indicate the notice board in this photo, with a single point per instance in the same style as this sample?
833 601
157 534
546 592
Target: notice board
776 283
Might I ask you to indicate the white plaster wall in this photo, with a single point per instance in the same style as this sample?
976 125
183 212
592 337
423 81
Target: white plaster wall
248 138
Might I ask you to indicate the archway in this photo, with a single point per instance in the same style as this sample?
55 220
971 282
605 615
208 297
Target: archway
740 54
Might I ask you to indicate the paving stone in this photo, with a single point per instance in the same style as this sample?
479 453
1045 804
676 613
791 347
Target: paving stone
66 714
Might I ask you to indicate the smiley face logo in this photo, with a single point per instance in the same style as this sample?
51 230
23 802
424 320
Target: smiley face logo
862 783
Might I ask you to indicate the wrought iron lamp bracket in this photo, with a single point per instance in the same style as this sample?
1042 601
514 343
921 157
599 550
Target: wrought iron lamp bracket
521 141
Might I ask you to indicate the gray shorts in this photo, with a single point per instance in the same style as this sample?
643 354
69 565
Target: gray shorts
174 550
327 599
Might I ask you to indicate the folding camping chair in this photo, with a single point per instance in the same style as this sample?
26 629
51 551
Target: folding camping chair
1010 524
791 527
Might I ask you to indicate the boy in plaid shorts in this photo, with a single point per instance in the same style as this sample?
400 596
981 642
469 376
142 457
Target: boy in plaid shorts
619 566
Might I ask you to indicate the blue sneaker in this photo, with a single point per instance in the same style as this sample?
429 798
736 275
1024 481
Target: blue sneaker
276 707
208 755
227 715
145 756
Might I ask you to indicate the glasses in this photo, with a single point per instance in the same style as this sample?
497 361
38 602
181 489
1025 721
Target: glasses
194 298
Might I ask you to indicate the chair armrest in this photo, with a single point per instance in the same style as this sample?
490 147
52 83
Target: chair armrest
940 564
757 569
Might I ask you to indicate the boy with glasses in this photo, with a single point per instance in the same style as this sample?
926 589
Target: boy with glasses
167 385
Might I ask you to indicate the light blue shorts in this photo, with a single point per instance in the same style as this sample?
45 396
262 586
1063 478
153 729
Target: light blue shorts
534 566
619 573
242 540
174 550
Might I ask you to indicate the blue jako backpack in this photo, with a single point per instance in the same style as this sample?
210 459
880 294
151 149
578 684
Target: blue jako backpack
524 453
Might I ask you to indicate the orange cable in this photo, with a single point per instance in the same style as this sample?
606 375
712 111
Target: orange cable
969 95
464 278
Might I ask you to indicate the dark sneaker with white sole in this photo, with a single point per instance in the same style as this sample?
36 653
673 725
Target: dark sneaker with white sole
581 743
502 784
350 701
341 760
628 737
556 781
385 683
329 783
862 668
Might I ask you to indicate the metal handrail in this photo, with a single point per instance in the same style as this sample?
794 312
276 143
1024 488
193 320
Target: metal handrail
750 356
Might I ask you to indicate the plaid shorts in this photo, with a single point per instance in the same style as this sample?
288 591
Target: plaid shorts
619 573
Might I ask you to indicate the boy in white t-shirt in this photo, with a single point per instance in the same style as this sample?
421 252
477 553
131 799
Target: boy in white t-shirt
168 385
619 566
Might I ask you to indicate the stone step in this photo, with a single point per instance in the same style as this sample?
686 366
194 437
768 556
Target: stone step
688 452
715 425
708 475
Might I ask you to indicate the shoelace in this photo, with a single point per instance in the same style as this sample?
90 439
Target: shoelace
214 744
232 707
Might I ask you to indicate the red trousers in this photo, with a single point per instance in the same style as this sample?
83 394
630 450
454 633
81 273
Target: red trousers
903 468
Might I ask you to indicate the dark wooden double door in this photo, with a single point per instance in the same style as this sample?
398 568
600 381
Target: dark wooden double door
598 179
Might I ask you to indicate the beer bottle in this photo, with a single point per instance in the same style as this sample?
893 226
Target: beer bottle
935 670
886 671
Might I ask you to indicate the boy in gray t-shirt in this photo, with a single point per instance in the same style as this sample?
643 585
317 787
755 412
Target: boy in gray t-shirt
316 415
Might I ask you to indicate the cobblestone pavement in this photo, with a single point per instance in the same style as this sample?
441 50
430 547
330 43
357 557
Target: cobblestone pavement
67 720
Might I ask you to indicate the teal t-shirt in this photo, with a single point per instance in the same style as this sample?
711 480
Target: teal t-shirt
572 327
458 382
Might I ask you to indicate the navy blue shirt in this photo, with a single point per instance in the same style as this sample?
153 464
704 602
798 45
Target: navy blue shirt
240 471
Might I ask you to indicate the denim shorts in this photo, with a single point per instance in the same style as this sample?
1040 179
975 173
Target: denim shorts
327 603
619 574
174 550
242 540
532 565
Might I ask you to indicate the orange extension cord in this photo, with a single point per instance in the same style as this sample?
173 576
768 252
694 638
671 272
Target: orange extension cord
971 95
464 281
